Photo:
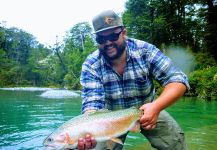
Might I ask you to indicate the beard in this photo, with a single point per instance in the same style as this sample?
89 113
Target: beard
120 50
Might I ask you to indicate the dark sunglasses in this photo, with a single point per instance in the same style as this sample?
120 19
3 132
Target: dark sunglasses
111 37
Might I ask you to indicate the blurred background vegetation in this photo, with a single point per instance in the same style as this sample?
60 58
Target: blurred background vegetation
185 30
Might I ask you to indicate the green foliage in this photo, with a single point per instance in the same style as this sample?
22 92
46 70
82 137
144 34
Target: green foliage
75 58
79 44
192 24
24 61
158 87
167 22
203 60
40 66
20 54
77 36
204 83
6 74
211 29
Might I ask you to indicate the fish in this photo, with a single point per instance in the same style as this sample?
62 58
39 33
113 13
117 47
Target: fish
104 125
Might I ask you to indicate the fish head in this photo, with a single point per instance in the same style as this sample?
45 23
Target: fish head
59 141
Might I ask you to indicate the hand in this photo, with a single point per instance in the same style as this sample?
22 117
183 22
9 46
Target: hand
150 116
86 143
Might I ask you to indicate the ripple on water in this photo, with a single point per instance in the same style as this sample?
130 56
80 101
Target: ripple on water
58 94
49 124
202 138
132 137
29 139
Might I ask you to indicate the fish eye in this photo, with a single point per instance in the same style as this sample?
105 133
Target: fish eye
49 139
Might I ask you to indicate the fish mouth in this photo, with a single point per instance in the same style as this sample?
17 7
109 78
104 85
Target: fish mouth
50 147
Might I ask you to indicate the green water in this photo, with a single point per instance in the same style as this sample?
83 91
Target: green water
26 119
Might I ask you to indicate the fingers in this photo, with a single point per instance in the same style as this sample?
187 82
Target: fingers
81 144
93 141
90 142
147 123
86 143
150 115
149 127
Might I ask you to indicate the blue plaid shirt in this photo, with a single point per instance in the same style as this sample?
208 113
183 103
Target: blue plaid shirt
103 87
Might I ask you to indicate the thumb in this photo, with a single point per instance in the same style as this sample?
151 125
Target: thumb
143 107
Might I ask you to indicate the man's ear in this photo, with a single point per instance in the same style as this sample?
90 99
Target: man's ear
124 32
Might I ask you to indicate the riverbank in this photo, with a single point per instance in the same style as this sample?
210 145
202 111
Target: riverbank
203 83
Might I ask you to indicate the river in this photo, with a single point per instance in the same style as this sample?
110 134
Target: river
26 119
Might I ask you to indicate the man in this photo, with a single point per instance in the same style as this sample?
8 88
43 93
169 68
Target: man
120 75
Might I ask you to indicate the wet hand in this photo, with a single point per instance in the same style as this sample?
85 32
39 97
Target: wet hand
86 143
149 117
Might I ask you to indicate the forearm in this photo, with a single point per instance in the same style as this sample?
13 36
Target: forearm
89 111
93 105
171 93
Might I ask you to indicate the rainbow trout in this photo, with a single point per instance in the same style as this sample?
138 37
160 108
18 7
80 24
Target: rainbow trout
104 125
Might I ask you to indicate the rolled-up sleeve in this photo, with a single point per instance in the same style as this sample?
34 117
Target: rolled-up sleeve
93 91
164 70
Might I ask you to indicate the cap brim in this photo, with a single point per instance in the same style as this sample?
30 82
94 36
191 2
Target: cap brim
112 27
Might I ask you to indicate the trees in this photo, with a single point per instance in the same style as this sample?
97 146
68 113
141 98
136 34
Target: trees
24 61
190 24
15 48
211 29
78 44
172 22
40 66
20 56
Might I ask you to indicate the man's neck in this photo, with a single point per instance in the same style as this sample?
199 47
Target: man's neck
120 63
120 60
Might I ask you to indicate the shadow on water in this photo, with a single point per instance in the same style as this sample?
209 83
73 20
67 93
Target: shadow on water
27 119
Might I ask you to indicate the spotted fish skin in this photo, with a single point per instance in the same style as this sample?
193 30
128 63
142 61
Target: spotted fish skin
103 125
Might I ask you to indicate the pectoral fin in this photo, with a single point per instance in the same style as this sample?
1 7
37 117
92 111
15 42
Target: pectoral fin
68 139
109 145
112 141
117 140
136 127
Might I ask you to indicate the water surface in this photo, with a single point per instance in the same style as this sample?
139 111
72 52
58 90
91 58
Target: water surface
27 119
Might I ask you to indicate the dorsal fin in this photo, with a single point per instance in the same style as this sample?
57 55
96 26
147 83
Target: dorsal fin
99 111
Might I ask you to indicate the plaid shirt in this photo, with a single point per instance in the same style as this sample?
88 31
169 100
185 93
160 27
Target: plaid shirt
103 87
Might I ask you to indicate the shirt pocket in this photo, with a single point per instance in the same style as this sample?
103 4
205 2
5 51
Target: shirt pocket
140 84
140 78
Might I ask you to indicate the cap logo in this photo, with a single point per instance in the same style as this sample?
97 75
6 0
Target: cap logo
109 20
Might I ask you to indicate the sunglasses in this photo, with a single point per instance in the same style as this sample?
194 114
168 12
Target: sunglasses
111 37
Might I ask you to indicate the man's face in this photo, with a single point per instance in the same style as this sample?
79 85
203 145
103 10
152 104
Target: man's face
112 43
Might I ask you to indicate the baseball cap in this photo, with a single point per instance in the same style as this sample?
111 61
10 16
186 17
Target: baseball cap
106 20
